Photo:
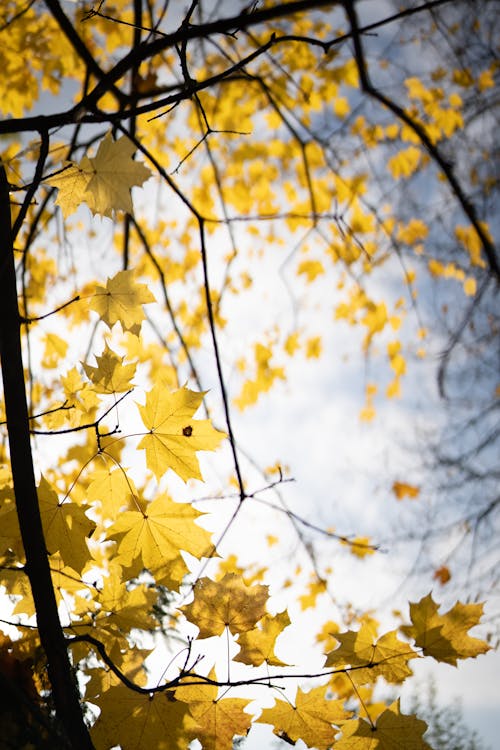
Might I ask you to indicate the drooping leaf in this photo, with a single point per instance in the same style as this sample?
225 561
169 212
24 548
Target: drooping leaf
445 637
215 721
226 603
136 721
257 645
386 656
309 720
66 527
113 489
103 181
392 731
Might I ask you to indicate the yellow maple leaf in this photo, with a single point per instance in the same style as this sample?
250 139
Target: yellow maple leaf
136 721
156 534
315 588
392 731
359 546
214 721
442 574
110 375
226 603
310 269
405 163
113 489
103 182
10 534
257 645
402 490
386 657
445 637
121 300
118 610
71 183
309 720
313 347
55 350
174 436
65 526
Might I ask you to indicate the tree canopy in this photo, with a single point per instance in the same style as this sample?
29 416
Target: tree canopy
167 170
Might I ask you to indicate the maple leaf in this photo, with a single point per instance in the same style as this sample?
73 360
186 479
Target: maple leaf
257 645
71 183
392 731
117 610
310 720
113 489
55 350
136 721
110 375
132 663
174 435
402 490
214 721
104 181
386 657
444 637
121 300
10 534
442 574
225 603
156 534
66 527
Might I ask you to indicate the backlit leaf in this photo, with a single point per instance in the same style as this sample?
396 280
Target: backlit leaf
226 603
174 435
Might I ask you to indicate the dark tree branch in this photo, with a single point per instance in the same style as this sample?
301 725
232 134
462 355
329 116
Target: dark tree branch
433 151
65 692
80 47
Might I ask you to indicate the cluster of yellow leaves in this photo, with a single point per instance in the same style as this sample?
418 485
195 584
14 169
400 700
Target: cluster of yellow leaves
197 709
101 530
265 375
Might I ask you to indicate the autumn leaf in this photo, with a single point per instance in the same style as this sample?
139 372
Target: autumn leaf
136 721
266 187
110 375
392 731
10 534
309 720
225 603
155 534
406 162
214 721
359 546
402 490
121 300
104 181
66 527
442 574
174 435
257 645
72 184
445 637
385 657
315 588
113 489
55 350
